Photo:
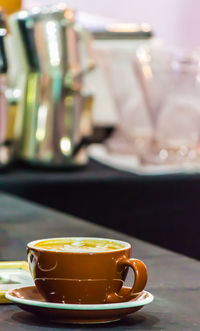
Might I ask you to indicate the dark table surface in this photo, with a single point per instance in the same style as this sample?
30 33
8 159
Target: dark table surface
173 279
163 210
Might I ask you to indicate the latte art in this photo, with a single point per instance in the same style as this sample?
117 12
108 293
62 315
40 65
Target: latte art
82 245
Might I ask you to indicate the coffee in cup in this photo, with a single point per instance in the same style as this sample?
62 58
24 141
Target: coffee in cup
84 270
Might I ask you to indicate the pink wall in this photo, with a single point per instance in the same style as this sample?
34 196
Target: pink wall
176 21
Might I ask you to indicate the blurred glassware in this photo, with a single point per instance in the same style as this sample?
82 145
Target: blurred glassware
53 110
133 126
170 84
112 39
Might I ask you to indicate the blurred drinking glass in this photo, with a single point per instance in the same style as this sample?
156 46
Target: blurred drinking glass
134 127
170 84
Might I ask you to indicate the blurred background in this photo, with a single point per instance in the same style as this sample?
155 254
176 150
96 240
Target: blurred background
100 113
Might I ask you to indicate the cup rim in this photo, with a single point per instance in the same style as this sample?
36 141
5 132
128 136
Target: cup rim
32 244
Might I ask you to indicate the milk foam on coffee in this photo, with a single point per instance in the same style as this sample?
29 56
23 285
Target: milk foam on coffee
79 245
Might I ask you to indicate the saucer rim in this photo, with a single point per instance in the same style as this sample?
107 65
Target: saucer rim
66 306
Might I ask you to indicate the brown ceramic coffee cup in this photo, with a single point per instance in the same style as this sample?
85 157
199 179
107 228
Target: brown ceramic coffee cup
93 273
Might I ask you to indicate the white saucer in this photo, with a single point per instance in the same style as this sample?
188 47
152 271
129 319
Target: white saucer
28 298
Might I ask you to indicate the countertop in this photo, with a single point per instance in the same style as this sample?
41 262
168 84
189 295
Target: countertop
173 279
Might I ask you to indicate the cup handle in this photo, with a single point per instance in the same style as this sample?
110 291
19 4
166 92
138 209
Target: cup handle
140 272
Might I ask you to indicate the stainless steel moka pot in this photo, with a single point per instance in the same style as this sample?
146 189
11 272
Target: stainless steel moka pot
54 116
